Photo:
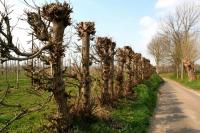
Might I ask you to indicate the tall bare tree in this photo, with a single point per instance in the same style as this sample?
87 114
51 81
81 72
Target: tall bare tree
121 60
103 45
136 57
128 51
112 70
179 27
48 24
86 31
157 49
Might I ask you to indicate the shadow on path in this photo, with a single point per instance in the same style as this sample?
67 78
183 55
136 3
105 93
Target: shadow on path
168 107
169 114
183 130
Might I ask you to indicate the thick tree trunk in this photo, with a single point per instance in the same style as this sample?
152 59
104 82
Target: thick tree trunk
106 70
86 72
129 73
111 80
134 74
190 71
60 94
142 69
139 72
58 82
177 71
120 80
157 67
191 75
182 70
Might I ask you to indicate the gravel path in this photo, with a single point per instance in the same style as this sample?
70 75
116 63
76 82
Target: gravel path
178 110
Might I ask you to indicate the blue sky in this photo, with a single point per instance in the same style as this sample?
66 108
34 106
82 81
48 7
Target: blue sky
128 22
114 18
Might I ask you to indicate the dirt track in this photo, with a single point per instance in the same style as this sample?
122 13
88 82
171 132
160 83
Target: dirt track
178 110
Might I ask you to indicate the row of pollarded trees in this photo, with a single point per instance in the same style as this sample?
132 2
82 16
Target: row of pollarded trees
114 66
48 24
128 64
134 65
177 41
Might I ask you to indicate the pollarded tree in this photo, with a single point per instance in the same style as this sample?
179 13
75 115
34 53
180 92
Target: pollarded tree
111 80
86 31
121 60
180 27
103 45
128 52
191 48
48 24
135 59
146 69
139 69
142 68
190 69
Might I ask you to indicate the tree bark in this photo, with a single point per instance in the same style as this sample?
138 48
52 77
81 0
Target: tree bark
157 67
190 70
129 72
58 82
120 79
137 72
177 71
191 75
111 80
106 70
182 70
134 67
85 71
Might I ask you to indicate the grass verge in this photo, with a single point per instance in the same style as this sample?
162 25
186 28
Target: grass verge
195 84
129 116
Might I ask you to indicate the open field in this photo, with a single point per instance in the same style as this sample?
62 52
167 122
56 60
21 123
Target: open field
26 97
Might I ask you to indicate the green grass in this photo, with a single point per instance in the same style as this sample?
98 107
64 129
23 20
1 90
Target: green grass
132 115
195 84
23 97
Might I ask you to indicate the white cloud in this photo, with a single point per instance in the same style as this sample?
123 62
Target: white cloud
166 3
148 28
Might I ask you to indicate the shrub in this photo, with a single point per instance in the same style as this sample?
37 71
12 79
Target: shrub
147 92
142 92
154 82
